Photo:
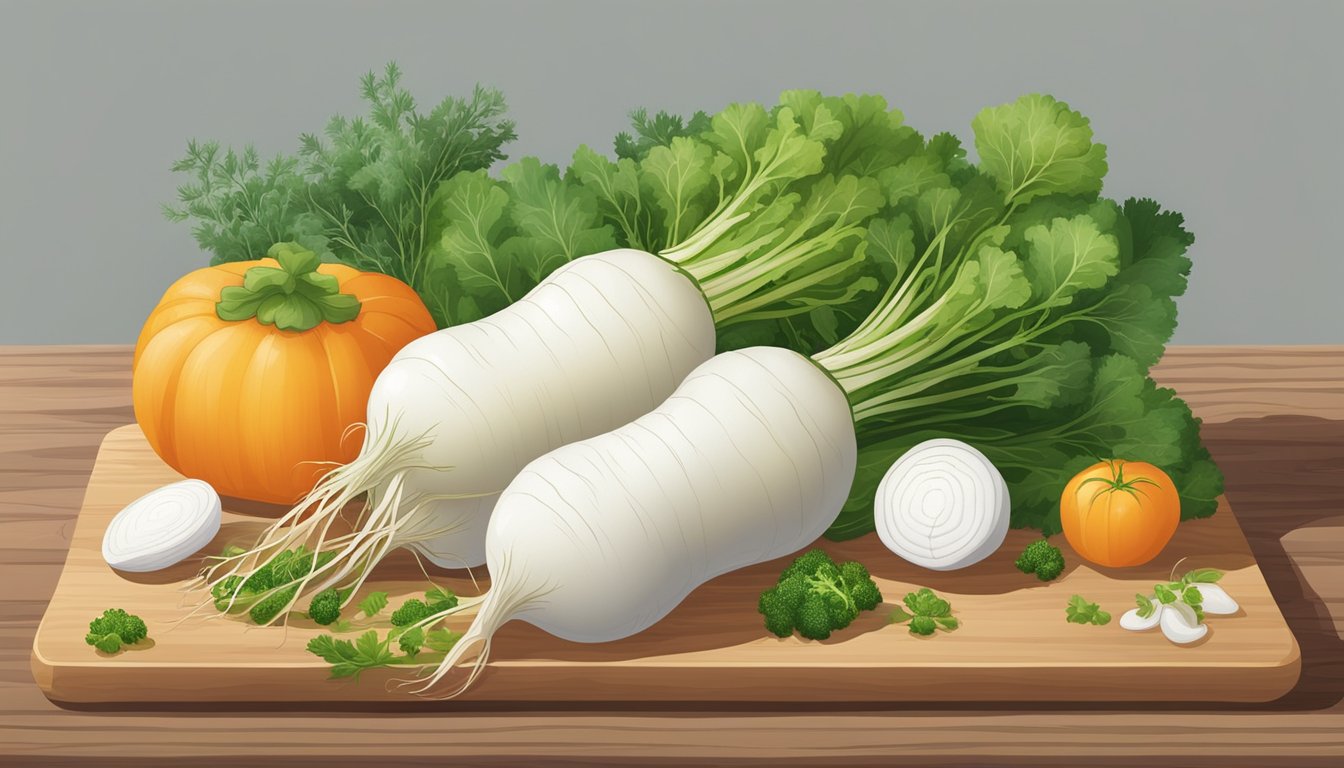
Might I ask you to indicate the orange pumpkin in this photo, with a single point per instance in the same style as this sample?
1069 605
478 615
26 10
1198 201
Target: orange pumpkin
248 375
1120 513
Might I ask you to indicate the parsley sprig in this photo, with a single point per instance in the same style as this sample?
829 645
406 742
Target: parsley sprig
1182 590
1080 611
349 658
928 613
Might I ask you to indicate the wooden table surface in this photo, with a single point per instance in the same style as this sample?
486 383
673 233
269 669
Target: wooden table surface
1274 420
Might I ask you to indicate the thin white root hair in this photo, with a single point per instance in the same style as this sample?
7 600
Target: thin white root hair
500 605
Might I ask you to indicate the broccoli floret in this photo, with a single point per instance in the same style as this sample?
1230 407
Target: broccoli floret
416 610
1041 558
861 586
223 592
807 564
814 617
283 570
816 597
325 607
410 612
115 628
270 606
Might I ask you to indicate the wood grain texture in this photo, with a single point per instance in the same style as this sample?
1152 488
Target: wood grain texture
712 648
1281 444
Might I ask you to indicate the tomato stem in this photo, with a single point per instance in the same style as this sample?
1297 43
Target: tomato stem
1117 482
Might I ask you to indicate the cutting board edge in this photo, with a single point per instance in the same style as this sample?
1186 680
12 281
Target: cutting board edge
1262 684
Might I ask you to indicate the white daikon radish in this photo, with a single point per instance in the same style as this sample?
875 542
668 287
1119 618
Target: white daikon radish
163 527
457 413
942 505
749 460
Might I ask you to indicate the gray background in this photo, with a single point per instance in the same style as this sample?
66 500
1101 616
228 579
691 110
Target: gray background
1227 111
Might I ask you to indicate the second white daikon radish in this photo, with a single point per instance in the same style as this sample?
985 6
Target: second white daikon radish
942 505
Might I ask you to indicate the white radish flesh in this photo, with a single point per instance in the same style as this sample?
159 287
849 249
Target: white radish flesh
942 505
1180 625
1136 623
1216 600
163 527
457 413
750 459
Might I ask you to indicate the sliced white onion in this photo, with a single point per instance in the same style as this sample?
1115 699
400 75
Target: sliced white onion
1216 600
1180 624
942 505
163 527
1136 623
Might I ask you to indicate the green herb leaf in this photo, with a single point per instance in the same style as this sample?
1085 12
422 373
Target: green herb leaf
1080 611
1203 576
926 603
439 595
927 613
1165 595
411 640
1146 607
441 640
923 625
371 605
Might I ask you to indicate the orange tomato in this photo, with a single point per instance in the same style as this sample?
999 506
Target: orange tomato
1119 513
257 410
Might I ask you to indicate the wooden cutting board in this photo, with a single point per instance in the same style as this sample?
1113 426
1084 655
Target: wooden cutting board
1013 645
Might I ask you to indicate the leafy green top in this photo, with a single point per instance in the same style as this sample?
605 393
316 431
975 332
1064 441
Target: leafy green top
362 195
1022 316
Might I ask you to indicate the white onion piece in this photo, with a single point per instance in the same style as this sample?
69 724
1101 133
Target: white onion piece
163 527
1216 600
1180 624
1136 623
942 505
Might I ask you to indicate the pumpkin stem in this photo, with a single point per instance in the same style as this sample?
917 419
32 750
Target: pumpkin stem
295 297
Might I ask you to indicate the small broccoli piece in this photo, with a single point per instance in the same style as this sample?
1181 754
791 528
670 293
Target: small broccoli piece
415 610
281 573
807 564
1043 559
325 607
861 586
115 628
223 592
816 597
411 612
411 641
270 606
814 617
